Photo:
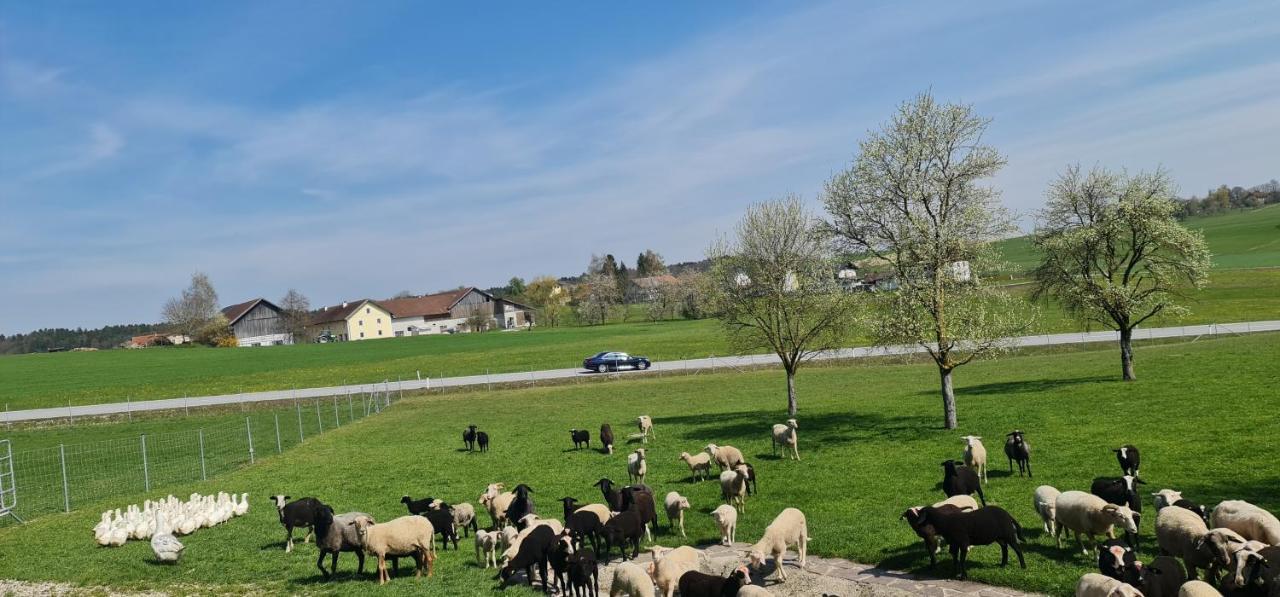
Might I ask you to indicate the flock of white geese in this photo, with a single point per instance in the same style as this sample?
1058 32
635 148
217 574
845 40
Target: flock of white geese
161 521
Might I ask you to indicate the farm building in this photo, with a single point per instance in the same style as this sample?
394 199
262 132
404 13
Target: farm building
257 322
153 339
448 312
353 320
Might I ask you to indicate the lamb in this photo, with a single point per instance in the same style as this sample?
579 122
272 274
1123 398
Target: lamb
487 547
726 518
559 560
612 497
482 440
1129 459
725 456
405 536
534 549
630 580
606 438
300 513
522 505
645 423
636 467
1017 449
699 466
673 563
584 574
1247 519
1197 588
958 479
1117 560
1098 585
785 435
787 529
733 487
1080 512
675 505
975 455
581 437
697 584
469 438
1179 532
1165 497
984 526
626 527
336 534
1045 502
464 516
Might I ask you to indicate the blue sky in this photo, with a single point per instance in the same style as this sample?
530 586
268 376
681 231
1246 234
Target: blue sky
358 149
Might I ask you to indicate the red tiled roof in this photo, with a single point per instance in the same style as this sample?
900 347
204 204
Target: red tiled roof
431 305
340 312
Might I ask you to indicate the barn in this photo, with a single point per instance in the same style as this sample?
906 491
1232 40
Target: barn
257 322
449 312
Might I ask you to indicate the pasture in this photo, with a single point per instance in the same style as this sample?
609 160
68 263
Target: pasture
869 438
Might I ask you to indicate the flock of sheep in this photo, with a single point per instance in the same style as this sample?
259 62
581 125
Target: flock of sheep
162 521
1235 543
519 539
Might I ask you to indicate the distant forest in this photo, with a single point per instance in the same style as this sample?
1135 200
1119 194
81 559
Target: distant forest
65 339
1224 198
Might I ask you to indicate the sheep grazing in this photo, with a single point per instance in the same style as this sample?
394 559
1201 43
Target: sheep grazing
789 528
975 455
464 517
675 505
1164 498
469 438
297 514
1122 492
571 507
962 502
671 564
606 438
1098 585
984 526
733 487
1197 588
1248 570
584 574
1129 459
636 467
1081 512
1045 501
726 518
725 456
645 424
630 580
641 499
1181 533
1018 450
404 536
915 518
626 527
784 434
699 466
958 479
482 441
487 543
612 497
698 584
336 534
522 505
1247 519
581 438
534 550
532 520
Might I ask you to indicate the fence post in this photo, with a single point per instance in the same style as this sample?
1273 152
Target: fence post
279 450
336 421
8 419
200 434
248 431
70 415
319 421
128 406
400 387
66 489
351 407
298 407
186 404
146 472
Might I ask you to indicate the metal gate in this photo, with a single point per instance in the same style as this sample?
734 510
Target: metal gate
8 484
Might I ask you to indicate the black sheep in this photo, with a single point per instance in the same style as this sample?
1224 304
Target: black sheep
606 438
584 574
1129 459
469 437
1117 560
570 506
984 526
535 550
958 479
581 437
751 479
1121 492
442 521
698 584
1200 510
417 506
298 514
1163 577
482 439
521 506
640 498
623 529
612 497
924 530
584 525
1017 449
1260 576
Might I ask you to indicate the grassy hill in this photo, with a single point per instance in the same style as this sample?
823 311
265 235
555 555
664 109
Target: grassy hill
869 438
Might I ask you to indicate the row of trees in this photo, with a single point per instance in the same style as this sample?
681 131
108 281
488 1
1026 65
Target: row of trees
913 199
1226 198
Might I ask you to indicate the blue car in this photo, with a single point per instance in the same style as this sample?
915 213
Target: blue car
614 361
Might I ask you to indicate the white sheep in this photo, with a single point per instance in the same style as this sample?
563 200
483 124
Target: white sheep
725 456
785 435
1100 585
675 505
963 502
1045 501
726 518
404 536
496 502
630 580
636 467
669 564
733 487
1247 519
645 423
975 455
600 510
787 529
1165 497
509 535
487 547
1081 512
1197 588
699 465
1182 533
531 520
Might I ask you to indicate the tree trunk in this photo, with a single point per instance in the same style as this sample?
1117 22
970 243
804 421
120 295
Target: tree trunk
1126 353
948 400
791 393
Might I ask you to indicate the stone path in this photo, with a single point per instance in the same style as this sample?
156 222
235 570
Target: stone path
833 577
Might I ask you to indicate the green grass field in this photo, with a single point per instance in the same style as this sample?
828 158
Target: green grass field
869 436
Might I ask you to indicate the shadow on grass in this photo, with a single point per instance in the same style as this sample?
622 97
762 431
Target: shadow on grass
1026 386
826 429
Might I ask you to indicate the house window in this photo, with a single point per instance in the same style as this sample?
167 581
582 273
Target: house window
367 311
379 332
379 320
361 323
399 334
361 334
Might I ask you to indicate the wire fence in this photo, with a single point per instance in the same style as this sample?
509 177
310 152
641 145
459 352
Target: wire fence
67 476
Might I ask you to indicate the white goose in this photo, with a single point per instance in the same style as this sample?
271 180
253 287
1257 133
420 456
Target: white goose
166 547
116 535
243 507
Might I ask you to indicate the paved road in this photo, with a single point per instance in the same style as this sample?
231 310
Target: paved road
553 374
